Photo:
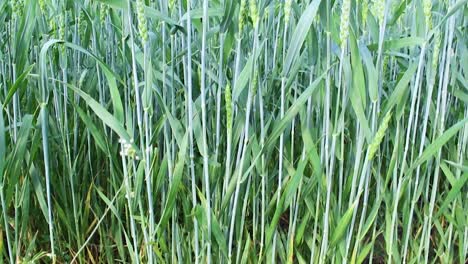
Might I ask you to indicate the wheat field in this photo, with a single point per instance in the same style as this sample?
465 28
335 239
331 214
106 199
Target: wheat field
234 131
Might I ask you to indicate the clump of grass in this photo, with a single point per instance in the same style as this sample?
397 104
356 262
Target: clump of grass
341 135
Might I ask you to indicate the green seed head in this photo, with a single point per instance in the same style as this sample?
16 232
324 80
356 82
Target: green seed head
435 56
20 7
374 146
344 25
242 11
103 13
82 23
253 12
16 7
62 26
427 6
287 11
142 26
379 10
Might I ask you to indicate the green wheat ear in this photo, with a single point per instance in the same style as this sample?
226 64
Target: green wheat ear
142 24
16 7
374 146
379 10
242 11
103 12
82 23
62 29
287 11
251 131
427 7
253 12
344 25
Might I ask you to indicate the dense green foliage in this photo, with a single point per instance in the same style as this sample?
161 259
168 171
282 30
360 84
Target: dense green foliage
234 131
